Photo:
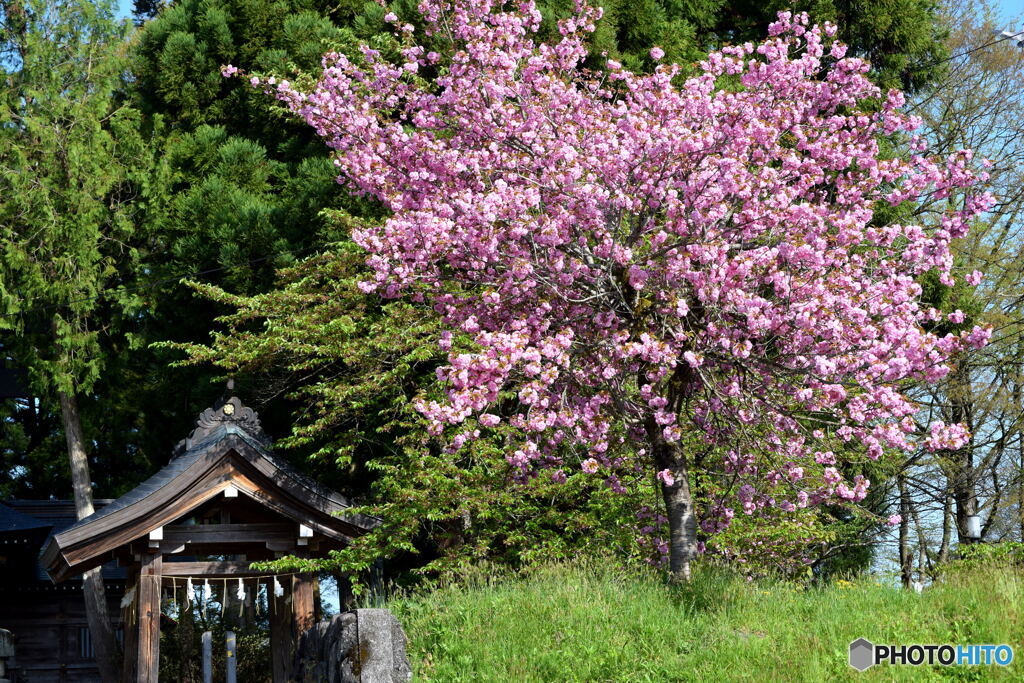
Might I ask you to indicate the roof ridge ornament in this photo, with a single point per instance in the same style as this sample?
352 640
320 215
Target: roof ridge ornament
226 410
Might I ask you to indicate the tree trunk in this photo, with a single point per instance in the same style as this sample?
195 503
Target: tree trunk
682 518
964 496
964 476
922 546
906 558
682 525
103 641
1020 496
947 529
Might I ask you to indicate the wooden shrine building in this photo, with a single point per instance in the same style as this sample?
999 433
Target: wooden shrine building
223 501
51 636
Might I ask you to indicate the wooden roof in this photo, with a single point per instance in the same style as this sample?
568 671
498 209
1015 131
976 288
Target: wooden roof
226 449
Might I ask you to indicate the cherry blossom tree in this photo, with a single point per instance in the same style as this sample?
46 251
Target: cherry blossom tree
685 277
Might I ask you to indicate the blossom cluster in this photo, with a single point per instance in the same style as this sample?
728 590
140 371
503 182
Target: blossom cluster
629 253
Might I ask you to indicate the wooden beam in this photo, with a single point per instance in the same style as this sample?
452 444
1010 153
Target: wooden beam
281 547
168 548
197 534
251 551
148 621
229 569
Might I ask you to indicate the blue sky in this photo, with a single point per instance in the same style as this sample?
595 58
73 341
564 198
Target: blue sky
1011 9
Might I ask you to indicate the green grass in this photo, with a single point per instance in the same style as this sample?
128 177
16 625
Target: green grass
592 622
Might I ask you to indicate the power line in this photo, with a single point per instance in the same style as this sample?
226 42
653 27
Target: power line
1004 36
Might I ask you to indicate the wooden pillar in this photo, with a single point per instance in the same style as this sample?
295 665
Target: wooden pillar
148 659
130 628
346 600
252 597
302 602
281 638
318 613
62 642
228 607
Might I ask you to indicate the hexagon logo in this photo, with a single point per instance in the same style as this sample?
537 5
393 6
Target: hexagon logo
862 654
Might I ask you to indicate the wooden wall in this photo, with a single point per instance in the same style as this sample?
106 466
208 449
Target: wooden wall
49 622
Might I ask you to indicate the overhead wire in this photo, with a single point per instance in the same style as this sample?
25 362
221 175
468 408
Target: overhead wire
1019 36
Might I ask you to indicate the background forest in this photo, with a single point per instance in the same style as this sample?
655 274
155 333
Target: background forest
163 227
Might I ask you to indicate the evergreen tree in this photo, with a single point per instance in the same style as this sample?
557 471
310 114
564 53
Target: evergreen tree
146 9
229 192
65 147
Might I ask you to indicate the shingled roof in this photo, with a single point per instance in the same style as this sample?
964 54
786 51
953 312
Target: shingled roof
226 449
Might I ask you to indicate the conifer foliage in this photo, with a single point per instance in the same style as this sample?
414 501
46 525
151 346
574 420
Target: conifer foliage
67 150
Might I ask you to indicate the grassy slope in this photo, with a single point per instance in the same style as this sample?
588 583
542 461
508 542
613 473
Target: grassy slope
593 623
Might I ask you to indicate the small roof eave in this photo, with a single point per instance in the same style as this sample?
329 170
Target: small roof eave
226 454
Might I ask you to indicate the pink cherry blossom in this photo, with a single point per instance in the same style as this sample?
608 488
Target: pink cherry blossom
689 266
665 476
942 436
